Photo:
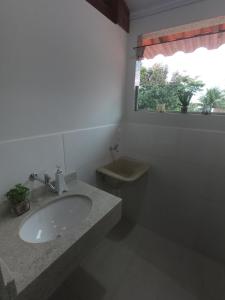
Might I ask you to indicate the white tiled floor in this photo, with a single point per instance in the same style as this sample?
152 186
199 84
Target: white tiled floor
134 263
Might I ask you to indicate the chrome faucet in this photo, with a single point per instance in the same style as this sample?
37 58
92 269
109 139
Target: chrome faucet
114 148
46 181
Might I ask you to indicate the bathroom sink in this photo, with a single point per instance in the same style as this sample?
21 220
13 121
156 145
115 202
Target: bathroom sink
124 169
55 219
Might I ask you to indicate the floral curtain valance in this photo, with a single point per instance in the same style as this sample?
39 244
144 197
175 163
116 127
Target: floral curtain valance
185 38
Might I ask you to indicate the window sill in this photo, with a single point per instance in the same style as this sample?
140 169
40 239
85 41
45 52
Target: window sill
195 121
180 113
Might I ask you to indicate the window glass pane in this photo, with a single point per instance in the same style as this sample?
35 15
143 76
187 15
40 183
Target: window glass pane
193 80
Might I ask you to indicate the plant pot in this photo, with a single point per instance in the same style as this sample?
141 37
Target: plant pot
21 208
184 109
207 109
161 108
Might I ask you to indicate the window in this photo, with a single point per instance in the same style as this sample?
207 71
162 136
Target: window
182 69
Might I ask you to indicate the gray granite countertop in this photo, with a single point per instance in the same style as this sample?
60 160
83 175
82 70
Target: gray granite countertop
26 261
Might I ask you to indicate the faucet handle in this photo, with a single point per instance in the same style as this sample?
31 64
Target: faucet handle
114 148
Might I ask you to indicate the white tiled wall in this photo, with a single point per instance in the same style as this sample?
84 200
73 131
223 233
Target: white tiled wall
79 150
185 198
87 149
21 157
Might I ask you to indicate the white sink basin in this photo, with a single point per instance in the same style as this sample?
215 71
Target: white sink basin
55 219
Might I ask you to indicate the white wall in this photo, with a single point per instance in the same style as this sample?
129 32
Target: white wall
185 196
62 73
62 67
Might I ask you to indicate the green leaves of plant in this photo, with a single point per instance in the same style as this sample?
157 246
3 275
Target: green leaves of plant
18 194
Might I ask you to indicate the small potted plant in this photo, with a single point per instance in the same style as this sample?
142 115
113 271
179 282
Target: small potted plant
161 108
19 199
185 99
